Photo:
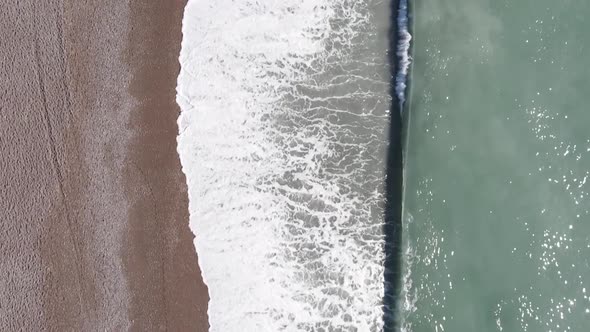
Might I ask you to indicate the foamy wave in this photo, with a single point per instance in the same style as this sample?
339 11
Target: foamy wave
403 52
282 138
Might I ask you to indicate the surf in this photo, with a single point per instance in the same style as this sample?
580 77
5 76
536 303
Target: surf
283 137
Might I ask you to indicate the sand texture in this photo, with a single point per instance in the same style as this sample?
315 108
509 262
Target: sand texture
93 204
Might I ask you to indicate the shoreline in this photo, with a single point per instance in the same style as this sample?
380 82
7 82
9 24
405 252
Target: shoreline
96 208
176 298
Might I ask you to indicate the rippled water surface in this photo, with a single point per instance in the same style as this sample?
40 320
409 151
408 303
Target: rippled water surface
497 224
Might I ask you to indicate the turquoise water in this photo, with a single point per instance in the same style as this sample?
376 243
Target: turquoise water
497 228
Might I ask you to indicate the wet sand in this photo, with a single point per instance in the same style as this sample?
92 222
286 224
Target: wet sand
93 205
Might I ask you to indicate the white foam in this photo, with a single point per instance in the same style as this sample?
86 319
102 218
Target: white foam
403 52
277 141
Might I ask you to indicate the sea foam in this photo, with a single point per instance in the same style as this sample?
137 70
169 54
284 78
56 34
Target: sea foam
283 137
403 52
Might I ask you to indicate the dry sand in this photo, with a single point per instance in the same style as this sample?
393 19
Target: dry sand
93 204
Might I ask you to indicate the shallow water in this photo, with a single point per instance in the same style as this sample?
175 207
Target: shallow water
497 228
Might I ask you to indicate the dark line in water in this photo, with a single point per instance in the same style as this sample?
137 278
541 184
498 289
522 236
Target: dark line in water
398 55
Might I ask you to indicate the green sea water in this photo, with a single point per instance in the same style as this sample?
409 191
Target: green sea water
497 167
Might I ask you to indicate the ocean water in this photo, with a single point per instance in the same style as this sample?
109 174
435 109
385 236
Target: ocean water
283 138
496 220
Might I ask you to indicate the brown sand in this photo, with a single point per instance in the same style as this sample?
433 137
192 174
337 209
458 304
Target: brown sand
93 204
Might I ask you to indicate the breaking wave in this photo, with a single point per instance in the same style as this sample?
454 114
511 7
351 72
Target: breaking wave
403 52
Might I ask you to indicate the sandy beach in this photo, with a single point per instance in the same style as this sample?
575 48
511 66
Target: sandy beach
93 203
